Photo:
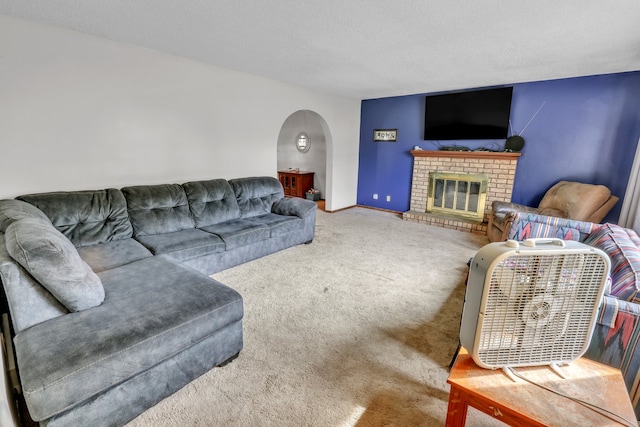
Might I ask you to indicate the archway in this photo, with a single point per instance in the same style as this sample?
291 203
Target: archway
314 158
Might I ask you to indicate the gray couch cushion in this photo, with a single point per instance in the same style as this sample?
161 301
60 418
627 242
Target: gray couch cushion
12 210
52 260
211 201
184 244
157 209
256 195
154 309
279 224
106 256
86 217
239 232
120 404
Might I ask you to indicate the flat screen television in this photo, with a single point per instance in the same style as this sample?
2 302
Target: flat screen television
478 114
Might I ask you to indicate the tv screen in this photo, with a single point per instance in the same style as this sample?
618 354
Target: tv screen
479 114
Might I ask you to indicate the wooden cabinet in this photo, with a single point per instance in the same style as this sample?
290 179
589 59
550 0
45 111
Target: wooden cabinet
295 183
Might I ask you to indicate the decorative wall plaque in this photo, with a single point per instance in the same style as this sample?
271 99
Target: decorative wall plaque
385 135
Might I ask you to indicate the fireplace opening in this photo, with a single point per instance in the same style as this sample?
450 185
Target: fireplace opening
458 195
499 167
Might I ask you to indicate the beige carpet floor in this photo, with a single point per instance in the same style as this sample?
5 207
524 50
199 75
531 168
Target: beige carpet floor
355 329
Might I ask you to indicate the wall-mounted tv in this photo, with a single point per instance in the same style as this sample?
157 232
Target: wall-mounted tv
478 114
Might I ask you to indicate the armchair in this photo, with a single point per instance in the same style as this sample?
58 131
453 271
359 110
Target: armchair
572 200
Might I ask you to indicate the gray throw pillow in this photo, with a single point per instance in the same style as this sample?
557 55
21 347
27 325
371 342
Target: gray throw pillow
12 210
54 262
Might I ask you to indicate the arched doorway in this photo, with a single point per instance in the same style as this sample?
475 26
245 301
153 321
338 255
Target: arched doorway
311 158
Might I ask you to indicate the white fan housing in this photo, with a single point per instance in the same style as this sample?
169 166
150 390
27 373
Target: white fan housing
532 303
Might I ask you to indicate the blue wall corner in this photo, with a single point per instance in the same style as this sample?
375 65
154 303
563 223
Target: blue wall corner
580 129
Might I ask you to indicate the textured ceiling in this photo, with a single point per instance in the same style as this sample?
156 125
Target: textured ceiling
369 48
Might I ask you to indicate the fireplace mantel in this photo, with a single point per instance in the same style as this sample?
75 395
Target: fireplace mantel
496 155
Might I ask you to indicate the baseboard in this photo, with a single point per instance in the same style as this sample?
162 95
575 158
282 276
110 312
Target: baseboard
341 209
379 209
365 207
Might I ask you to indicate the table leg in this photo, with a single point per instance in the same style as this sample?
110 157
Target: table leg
457 410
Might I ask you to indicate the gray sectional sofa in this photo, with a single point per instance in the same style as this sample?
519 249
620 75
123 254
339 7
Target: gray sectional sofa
108 291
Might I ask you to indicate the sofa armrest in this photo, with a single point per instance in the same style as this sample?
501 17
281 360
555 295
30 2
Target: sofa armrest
530 225
608 311
501 217
294 206
503 208
616 343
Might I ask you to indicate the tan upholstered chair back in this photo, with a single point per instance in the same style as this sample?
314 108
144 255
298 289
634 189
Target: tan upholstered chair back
576 200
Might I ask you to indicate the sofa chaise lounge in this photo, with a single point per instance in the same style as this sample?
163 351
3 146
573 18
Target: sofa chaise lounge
108 292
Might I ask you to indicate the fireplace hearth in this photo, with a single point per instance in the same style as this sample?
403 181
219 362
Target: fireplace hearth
455 189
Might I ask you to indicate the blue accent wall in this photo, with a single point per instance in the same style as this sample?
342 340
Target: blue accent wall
580 129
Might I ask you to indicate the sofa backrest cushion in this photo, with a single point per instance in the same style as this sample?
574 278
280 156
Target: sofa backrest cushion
256 195
623 247
53 260
12 210
157 209
86 217
530 225
211 202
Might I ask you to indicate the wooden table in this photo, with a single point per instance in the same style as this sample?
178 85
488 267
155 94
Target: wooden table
523 404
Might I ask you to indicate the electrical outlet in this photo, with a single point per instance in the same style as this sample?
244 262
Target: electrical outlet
375 196
388 198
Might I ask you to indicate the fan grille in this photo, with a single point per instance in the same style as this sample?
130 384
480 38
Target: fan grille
540 308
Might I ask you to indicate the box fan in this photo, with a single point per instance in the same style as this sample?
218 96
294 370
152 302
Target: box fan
532 302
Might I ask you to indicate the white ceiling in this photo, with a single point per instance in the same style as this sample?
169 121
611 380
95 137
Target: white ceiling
369 48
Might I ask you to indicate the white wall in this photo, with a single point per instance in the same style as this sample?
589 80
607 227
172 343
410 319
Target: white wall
82 112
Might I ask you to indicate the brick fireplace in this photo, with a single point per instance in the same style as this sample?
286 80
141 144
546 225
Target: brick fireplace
499 167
